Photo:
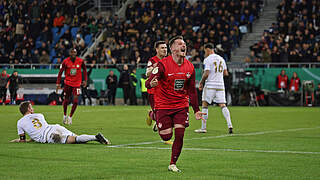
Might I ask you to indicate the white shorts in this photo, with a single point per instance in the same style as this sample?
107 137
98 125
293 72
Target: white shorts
62 131
215 95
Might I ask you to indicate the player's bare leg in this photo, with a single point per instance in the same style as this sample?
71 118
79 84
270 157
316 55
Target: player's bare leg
155 129
205 118
226 114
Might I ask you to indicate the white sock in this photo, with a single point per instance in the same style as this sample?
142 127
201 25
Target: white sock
226 114
85 138
205 118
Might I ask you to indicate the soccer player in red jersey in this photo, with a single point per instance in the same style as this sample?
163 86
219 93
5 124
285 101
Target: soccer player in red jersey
174 77
73 76
161 49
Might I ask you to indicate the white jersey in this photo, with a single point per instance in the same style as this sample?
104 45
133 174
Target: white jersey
35 126
216 66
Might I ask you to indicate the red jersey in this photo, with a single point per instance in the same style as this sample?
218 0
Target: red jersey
72 71
282 81
151 63
294 84
175 85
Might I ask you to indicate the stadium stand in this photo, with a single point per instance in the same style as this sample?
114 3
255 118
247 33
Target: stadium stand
295 37
220 22
26 25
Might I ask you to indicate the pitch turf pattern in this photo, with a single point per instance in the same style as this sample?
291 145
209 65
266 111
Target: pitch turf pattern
269 143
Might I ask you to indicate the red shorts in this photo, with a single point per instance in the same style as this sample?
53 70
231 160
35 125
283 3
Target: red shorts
69 89
151 101
167 118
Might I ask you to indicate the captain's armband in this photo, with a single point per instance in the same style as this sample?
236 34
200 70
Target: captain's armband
22 137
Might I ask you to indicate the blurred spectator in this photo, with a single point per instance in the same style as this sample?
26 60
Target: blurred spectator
124 82
44 58
112 81
14 82
133 85
79 42
144 93
295 83
3 85
282 81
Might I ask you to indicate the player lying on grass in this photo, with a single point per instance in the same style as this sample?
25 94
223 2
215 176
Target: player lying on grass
35 125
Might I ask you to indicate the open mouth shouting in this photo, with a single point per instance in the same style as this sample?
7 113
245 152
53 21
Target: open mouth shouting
183 51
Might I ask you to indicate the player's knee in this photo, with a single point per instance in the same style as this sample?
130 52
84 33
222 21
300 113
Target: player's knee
166 137
222 105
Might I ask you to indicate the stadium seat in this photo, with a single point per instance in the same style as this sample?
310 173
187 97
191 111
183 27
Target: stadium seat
74 32
38 44
88 39
63 30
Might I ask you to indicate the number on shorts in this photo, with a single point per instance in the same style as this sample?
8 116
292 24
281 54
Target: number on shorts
36 123
218 69
78 91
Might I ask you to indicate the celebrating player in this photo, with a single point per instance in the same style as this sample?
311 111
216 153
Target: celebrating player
161 49
174 77
214 70
35 125
73 77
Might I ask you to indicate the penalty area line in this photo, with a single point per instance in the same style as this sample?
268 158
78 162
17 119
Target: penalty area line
222 136
214 149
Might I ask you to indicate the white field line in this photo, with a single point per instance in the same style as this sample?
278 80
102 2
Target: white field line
212 149
222 136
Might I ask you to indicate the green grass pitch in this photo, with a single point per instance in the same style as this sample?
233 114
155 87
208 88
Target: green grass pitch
269 143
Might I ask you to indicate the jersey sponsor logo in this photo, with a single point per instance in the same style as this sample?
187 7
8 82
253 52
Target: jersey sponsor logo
73 71
171 74
155 70
188 75
178 84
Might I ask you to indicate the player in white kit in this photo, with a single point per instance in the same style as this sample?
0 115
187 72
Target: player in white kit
213 91
35 125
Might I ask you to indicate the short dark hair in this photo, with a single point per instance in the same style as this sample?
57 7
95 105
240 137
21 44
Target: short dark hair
24 107
209 45
173 39
158 43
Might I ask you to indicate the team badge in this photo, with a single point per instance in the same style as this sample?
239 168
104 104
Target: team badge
149 63
188 75
155 70
77 65
159 125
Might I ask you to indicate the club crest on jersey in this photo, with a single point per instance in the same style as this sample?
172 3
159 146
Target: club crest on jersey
149 63
155 70
188 75
77 65
159 125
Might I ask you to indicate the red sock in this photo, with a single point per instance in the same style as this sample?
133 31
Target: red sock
74 106
65 106
177 144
